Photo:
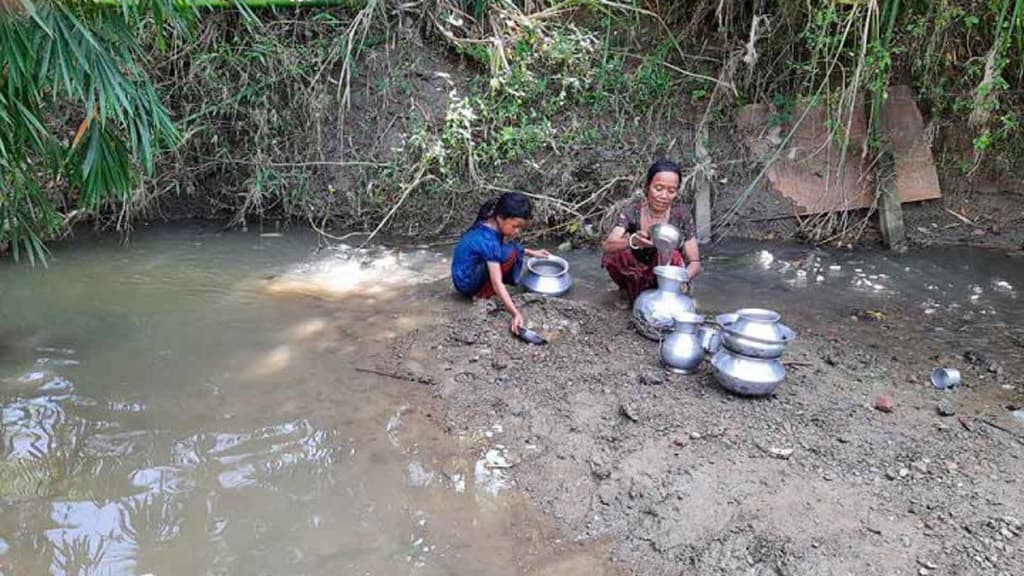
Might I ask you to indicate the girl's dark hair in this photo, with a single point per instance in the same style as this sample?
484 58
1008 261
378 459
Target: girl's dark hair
508 205
663 165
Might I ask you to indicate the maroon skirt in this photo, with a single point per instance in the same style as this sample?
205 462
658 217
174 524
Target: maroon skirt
487 290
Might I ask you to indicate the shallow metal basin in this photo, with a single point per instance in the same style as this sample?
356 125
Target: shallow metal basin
549 276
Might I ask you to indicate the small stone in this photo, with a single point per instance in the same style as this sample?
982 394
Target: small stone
629 412
652 379
873 528
976 359
828 476
782 453
695 436
599 469
924 572
465 336
884 404
891 475
945 408
904 472
920 467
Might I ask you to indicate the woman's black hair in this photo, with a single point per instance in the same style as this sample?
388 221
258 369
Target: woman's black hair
663 165
508 205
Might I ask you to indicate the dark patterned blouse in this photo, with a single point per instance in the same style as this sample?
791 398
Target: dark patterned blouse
630 219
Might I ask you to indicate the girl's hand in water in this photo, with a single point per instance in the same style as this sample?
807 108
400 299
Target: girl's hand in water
517 323
537 253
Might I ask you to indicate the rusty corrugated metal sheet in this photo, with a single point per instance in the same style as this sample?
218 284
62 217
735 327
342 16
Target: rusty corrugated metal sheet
916 176
818 174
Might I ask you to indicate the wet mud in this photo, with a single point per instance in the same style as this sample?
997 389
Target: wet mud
684 478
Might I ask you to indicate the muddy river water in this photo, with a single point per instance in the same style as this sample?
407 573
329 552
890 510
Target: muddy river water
200 402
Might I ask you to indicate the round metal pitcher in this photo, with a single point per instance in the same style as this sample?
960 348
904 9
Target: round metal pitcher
682 351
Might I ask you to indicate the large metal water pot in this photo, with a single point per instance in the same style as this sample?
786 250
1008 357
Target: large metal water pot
654 311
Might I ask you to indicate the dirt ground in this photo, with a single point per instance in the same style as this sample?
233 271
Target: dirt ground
681 477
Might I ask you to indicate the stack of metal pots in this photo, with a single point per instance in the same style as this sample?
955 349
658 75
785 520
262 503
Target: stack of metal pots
748 359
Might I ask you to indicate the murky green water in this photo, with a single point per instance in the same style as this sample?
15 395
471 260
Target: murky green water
194 403
953 296
168 410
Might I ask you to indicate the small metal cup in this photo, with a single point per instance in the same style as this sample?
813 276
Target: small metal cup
945 378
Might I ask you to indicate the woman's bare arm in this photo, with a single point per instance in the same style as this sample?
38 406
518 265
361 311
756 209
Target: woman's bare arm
691 251
617 240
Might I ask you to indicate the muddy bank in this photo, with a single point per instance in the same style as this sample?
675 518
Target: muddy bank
347 176
685 478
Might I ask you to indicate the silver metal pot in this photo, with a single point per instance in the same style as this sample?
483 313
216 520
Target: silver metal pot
752 346
747 376
681 352
753 332
654 311
757 323
549 276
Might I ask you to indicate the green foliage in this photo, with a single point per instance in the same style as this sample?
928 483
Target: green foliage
547 70
68 65
257 104
88 90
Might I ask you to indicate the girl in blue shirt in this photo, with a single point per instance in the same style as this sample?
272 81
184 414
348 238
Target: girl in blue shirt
488 256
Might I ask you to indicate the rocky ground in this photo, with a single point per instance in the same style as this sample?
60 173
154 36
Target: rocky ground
854 466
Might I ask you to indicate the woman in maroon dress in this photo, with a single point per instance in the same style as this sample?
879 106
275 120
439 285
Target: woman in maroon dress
629 254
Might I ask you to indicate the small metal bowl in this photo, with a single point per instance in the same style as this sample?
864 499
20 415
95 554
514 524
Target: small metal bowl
665 237
531 337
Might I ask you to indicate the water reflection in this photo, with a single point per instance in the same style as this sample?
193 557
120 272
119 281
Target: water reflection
945 296
185 422
343 271
149 478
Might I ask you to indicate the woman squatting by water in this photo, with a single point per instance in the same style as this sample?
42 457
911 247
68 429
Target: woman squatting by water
629 255
488 256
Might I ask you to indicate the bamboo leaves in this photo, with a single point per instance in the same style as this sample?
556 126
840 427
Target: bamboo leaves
78 113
